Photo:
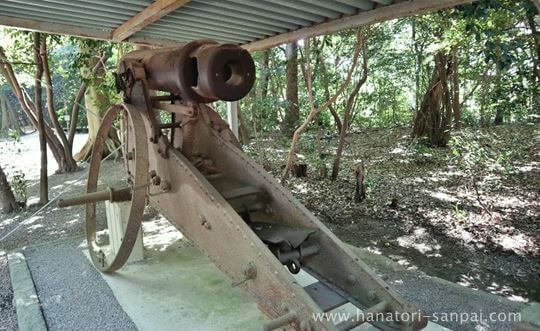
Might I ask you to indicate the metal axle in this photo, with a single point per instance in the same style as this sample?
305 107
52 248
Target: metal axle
110 194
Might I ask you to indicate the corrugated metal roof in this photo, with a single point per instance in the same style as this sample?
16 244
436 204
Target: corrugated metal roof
243 21
232 21
95 14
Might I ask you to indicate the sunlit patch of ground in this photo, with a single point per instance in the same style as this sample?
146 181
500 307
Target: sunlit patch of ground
24 228
22 155
159 233
489 240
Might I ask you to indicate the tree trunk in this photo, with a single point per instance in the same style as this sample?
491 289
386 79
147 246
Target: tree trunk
5 118
242 128
326 83
433 119
13 118
535 49
10 120
292 114
69 164
29 108
79 98
43 178
299 170
74 117
536 45
537 4
348 108
456 105
96 102
360 186
419 59
343 132
499 114
8 203
265 75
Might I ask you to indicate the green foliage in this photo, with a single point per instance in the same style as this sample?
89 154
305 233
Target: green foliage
420 151
492 38
66 80
19 185
10 134
469 154
493 24
476 155
89 51
495 51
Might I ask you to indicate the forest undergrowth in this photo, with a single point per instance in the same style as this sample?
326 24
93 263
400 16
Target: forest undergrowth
468 213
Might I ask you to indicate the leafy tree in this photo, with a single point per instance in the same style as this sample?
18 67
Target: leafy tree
98 90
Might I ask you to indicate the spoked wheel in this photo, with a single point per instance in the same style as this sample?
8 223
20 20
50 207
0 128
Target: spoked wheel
135 194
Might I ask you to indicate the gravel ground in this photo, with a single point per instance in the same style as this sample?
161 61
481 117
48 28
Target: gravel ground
8 316
59 288
72 293
51 224
66 223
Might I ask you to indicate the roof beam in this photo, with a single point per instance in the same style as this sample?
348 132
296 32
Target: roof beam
149 15
399 10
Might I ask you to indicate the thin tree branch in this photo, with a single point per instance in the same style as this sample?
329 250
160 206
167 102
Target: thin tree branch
316 110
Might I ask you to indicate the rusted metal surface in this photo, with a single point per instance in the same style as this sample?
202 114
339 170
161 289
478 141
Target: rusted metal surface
197 176
137 169
110 194
200 72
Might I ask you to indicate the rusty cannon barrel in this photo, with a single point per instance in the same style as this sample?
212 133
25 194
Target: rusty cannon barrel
201 71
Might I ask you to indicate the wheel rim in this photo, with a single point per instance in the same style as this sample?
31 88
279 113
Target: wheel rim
138 195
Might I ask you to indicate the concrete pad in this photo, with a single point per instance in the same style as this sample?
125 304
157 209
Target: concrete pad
177 287
117 218
29 316
531 316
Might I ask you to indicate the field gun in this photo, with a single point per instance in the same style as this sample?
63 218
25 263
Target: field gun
191 168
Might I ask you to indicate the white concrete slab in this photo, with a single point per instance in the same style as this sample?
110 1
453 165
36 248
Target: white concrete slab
177 288
117 219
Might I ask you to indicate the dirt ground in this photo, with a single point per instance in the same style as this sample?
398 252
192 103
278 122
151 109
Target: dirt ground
439 225
488 241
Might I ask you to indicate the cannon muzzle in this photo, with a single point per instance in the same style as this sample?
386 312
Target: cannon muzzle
201 71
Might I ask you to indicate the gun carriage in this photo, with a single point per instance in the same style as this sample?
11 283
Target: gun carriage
191 168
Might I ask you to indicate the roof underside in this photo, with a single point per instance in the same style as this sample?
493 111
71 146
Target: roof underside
255 23
242 21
